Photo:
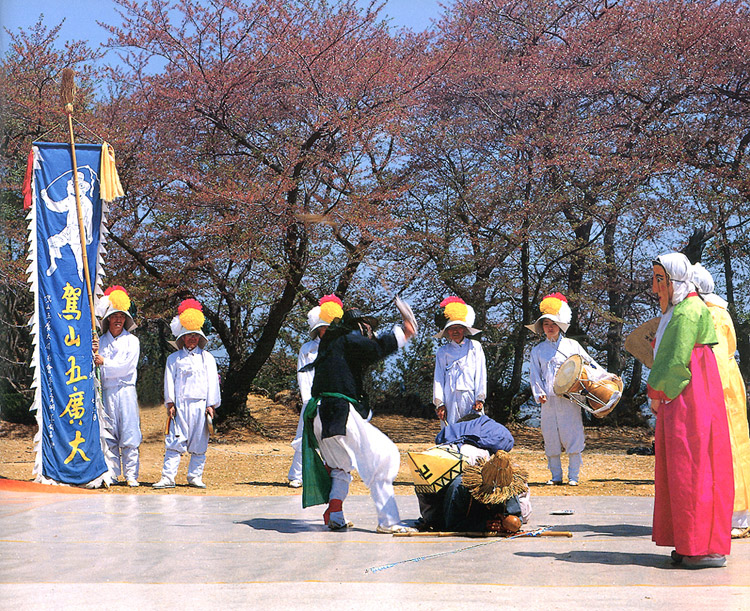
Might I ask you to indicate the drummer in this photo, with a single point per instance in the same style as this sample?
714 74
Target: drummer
562 425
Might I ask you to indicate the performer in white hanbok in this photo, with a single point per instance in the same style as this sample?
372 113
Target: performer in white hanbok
329 308
191 395
117 356
460 380
562 425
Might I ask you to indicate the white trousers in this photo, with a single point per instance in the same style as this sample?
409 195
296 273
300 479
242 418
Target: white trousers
574 466
188 432
123 416
295 471
562 429
172 463
367 450
457 405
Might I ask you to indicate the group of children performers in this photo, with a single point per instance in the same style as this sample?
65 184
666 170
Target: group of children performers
191 390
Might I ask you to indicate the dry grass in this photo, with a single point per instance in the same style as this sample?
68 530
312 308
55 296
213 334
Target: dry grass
241 462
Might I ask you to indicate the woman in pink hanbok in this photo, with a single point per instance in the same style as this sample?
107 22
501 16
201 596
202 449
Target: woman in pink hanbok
694 486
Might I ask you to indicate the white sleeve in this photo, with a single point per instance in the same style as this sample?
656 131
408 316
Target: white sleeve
535 376
597 371
169 390
213 393
400 336
480 376
438 395
304 378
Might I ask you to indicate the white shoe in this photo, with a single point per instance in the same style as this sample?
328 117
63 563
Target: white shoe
554 482
163 483
337 521
295 483
704 562
395 529
196 482
573 482
133 483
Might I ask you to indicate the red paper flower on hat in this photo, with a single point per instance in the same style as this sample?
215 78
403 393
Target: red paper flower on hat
331 308
191 315
118 298
453 299
189 303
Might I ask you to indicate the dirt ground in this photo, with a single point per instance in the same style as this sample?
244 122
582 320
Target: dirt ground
243 463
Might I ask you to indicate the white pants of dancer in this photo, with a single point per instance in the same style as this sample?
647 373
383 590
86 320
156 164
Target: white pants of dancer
188 432
562 429
121 409
295 471
367 450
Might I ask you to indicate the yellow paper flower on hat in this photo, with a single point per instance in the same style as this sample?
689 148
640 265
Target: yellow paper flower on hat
552 304
331 308
191 317
118 298
456 311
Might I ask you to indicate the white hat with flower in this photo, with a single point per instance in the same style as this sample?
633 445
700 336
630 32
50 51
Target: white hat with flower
189 319
455 311
555 308
115 299
329 308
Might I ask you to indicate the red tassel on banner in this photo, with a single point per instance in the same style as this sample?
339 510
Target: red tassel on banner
27 181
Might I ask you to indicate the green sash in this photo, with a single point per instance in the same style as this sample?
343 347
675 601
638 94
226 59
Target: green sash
316 481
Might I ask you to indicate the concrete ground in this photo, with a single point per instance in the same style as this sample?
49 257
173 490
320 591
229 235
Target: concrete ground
167 551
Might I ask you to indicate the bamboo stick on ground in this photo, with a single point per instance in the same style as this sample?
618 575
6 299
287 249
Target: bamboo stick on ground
487 535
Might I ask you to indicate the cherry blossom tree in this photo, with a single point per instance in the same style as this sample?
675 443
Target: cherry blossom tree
266 157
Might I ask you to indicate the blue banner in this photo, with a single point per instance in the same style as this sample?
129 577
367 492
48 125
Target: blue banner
71 447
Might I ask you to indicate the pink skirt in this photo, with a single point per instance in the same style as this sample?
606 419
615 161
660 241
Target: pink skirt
694 484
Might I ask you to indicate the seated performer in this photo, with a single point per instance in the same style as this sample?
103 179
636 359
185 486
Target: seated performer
339 420
490 494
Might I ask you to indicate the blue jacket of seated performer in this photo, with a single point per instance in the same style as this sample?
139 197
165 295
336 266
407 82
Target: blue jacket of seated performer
478 430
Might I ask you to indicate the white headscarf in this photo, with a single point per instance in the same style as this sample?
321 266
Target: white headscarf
704 282
680 272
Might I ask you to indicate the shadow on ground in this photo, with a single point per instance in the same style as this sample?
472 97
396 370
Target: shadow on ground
657 561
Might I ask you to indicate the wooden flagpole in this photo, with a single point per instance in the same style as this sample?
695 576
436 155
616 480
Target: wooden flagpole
67 93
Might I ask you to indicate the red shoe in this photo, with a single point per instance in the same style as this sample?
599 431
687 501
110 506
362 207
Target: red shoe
334 505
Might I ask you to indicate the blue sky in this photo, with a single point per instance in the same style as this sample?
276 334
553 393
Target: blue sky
81 16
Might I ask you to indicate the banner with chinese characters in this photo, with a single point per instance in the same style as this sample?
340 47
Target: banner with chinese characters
69 448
